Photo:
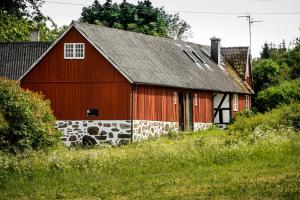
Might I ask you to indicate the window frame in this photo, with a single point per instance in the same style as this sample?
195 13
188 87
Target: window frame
235 104
247 105
74 51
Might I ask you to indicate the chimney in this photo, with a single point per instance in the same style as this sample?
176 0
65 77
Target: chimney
215 49
34 35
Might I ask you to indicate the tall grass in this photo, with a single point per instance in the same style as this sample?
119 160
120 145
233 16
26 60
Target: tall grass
210 164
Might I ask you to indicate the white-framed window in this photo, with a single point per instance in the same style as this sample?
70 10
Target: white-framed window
196 99
175 97
235 102
74 50
247 105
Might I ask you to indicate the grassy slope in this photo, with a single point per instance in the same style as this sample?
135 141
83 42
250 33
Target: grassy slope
198 165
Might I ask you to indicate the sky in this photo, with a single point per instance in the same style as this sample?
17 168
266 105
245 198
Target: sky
232 30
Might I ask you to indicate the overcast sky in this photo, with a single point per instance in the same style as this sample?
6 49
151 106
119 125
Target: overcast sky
232 30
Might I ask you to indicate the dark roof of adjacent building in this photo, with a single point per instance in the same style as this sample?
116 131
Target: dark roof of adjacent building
17 57
161 61
237 57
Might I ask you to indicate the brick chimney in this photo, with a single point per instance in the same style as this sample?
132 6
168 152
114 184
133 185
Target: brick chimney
34 35
215 49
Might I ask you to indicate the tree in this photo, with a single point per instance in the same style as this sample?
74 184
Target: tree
21 8
14 29
143 18
265 54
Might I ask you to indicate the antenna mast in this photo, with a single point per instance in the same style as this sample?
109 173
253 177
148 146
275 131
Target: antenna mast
250 22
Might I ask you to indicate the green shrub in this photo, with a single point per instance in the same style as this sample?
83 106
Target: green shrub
287 115
285 93
27 121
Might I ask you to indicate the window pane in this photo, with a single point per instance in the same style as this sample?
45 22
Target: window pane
79 48
69 50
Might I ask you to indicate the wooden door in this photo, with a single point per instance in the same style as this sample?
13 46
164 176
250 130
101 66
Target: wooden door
185 111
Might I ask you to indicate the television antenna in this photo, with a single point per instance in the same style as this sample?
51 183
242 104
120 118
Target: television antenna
250 22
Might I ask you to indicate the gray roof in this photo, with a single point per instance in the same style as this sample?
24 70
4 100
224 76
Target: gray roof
160 61
17 57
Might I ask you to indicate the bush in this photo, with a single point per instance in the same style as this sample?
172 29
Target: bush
288 115
285 93
26 120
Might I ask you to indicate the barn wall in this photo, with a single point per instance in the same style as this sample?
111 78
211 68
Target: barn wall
155 104
74 85
156 110
203 111
241 106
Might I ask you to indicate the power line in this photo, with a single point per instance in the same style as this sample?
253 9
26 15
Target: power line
196 12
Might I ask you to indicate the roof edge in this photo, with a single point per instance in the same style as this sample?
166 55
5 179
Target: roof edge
46 52
102 53
73 24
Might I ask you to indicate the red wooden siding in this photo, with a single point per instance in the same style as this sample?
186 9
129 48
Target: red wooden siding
157 104
242 103
203 110
76 85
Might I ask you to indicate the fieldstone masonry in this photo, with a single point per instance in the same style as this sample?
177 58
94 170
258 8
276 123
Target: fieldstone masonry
142 130
201 126
95 132
116 132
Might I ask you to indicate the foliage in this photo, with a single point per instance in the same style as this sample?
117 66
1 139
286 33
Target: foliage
29 117
287 115
21 8
143 18
285 93
265 74
13 29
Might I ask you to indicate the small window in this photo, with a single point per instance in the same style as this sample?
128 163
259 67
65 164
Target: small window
247 105
74 50
196 99
175 98
92 112
235 102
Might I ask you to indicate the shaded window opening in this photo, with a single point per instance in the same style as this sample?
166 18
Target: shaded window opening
92 112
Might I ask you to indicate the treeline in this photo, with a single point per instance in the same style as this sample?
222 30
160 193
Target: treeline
18 18
276 76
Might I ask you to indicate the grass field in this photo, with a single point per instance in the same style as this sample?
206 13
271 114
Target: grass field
204 165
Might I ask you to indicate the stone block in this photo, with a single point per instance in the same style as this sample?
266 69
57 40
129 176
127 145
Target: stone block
93 130
123 135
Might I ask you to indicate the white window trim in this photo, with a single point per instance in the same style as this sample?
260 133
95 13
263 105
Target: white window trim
74 51
235 102
247 106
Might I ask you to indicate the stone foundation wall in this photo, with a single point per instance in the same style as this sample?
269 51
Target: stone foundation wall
142 129
95 132
201 126
115 132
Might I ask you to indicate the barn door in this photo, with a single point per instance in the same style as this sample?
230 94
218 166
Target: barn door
185 111
222 108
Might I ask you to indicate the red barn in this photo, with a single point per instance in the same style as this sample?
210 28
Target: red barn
113 86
